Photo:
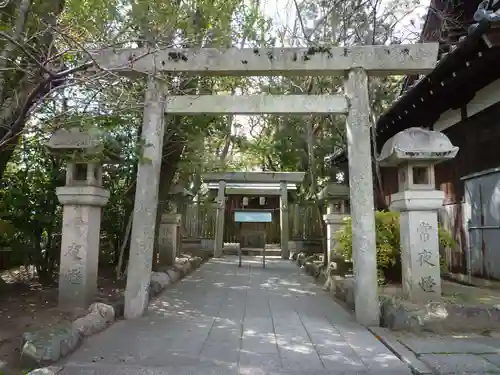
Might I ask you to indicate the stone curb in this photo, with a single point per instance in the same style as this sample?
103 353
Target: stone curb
437 317
49 345
161 280
401 315
400 351
311 268
45 347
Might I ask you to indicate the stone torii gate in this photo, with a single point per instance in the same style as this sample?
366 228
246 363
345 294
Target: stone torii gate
353 63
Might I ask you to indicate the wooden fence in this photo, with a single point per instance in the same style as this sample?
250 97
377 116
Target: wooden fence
305 223
198 220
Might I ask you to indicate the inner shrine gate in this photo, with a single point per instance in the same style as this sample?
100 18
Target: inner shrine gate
353 63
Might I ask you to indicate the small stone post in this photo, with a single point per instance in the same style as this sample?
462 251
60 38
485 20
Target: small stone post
82 199
284 224
168 239
361 194
336 196
169 235
415 151
219 221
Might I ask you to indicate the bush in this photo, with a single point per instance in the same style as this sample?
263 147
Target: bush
388 244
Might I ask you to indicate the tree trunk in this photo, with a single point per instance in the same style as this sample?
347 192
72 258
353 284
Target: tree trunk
17 99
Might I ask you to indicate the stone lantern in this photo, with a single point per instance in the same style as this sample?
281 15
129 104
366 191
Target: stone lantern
82 198
336 196
414 152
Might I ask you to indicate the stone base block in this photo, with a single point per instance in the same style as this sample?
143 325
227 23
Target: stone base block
51 370
48 345
313 269
437 317
174 275
162 279
100 316
301 258
119 307
159 281
339 266
344 290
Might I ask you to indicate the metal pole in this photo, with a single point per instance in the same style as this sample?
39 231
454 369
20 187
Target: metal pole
264 252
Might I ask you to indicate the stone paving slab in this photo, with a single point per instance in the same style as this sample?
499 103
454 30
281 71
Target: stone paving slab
222 319
429 345
464 354
459 364
190 370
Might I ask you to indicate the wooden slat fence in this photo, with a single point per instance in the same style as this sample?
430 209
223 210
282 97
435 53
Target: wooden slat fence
198 221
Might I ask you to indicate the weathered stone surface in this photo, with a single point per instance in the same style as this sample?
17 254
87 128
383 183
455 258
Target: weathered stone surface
174 275
311 269
167 276
100 316
74 138
256 104
415 151
331 281
398 314
417 144
402 352
284 222
395 316
47 346
119 306
339 266
459 364
168 241
161 279
79 243
437 317
361 196
385 60
142 236
196 262
51 370
344 290
105 311
184 267
300 259
466 344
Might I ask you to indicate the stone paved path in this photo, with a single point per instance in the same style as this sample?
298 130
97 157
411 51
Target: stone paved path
227 320
455 354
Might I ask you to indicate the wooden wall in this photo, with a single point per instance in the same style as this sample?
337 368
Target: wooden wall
478 138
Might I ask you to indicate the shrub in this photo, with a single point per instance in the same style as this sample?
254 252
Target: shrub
388 244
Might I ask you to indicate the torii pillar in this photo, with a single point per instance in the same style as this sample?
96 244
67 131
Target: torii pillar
142 237
284 224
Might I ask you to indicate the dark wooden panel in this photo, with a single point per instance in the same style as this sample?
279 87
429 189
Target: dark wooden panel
479 140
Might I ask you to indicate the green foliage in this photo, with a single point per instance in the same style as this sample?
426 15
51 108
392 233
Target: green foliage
388 243
30 215
29 204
